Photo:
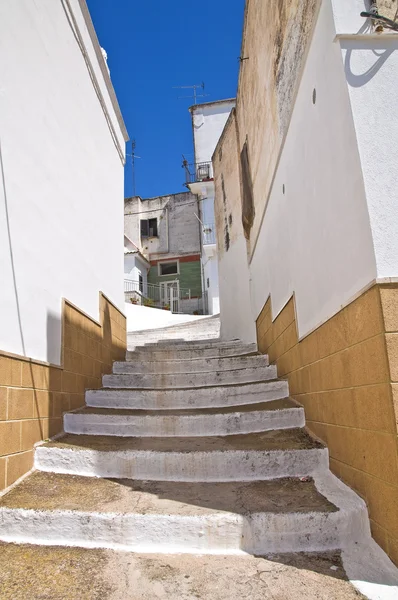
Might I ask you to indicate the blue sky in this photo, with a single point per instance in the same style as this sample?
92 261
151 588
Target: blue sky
153 46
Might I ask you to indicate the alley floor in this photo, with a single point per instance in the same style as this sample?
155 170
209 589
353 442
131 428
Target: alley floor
59 573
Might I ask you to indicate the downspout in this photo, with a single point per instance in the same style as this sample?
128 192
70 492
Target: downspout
202 275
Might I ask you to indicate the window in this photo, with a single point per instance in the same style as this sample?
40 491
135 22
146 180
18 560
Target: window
140 283
168 268
149 228
248 211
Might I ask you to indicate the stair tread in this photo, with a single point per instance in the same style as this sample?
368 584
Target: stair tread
52 492
284 439
273 405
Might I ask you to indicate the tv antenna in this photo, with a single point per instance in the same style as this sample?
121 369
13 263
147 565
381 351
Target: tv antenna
195 94
133 157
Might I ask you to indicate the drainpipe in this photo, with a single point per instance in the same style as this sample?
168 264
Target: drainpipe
202 275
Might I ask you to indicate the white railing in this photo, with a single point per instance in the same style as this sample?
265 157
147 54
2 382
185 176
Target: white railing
168 296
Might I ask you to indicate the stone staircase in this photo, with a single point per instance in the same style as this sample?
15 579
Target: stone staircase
193 446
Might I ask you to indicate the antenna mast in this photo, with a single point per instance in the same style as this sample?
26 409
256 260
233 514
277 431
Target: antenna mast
195 94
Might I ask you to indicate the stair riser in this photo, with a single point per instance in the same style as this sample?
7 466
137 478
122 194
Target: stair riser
262 533
180 338
189 380
194 344
166 354
180 426
193 366
177 466
217 397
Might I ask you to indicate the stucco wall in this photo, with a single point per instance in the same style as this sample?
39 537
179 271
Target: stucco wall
315 240
61 177
208 121
236 316
275 40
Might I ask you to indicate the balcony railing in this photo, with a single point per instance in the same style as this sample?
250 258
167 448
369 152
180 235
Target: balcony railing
197 172
169 297
209 234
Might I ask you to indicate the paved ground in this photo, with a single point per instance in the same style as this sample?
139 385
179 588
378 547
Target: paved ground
45 573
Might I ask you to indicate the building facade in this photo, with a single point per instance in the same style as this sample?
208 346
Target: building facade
166 230
62 154
208 121
307 214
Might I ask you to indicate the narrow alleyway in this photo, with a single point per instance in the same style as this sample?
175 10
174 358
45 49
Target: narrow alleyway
194 457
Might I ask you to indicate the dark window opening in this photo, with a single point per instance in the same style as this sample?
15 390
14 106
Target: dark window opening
149 228
247 192
170 268
140 283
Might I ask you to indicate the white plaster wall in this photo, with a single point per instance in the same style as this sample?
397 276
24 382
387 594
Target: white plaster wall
237 321
315 239
61 179
208 123
210 269
371 68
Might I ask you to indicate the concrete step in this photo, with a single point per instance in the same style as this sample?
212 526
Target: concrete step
198 365
281 414
201 329
189 345
162 381
170 354
268 455
205 397
27 573
284 515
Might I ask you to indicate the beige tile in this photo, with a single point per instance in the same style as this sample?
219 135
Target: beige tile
392 352
389 303
3 462
20 404
3 403
364 317
5 371
10 437
383 505
31 432
18 465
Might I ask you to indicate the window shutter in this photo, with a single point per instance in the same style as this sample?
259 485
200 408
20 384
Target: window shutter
144 228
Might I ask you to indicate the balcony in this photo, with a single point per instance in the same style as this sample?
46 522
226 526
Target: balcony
197 172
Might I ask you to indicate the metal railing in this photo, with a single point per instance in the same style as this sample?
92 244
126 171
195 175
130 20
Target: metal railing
197 172
209 234
168 297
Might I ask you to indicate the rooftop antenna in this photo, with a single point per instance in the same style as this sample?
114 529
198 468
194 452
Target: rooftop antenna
195 94
133 157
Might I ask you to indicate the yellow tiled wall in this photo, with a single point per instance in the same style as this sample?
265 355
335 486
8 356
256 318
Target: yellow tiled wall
345 374
34 395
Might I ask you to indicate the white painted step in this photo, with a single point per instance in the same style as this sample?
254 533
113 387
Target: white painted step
188 345
157 354
268 455
206 397
199 365
189 380
161 517
281 414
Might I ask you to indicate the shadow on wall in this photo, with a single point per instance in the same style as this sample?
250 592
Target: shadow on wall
380 48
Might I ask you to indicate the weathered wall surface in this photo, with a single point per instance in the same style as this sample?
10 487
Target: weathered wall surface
178 228
61 176
275 40
236 315
34 395
344 375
